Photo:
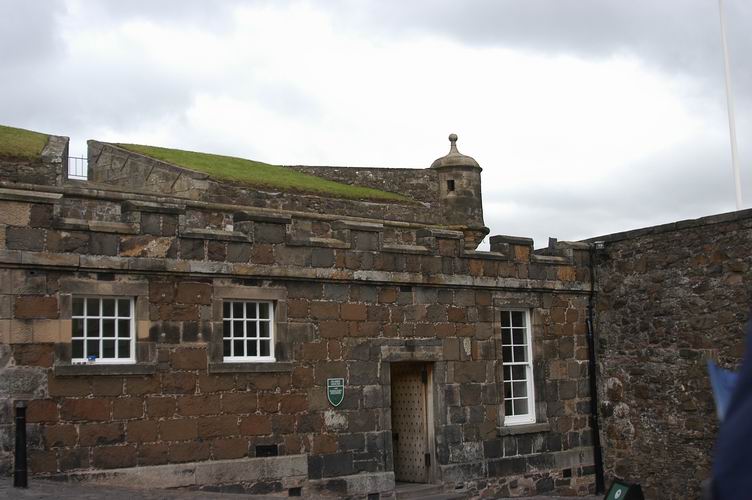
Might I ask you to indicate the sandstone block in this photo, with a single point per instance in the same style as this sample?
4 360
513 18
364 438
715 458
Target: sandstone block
56 436
178 429
35 306
142 431
100 434
256 425
86 409
112 457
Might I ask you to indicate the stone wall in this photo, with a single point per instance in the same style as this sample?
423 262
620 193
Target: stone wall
352 297
115 166
50 168
670 297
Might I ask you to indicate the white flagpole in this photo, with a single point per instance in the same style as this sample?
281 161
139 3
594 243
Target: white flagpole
730 105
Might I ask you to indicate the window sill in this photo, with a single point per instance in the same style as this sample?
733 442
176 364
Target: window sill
277 366
69 370
513 430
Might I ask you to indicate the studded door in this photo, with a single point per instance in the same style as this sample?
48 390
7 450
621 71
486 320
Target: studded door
409 422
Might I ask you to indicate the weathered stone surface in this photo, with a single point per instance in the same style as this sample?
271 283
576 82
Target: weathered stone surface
668 301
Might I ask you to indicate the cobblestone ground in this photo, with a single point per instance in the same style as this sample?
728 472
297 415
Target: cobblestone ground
49 490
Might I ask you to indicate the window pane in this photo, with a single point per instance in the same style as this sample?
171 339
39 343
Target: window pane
226 348
507 373
520 354
251 344
92 328
225 309
108 349
124 348
78 328
506 337
250 309
508 407
239 351
520 389
108 328
108 307
226 329
507 390
518 372
78 349
505 319
519 336
520 407
92 348
78 307
506 354
264 310
264 348
518 318
124 328
264 329
124 308
237 329
92 307
237 309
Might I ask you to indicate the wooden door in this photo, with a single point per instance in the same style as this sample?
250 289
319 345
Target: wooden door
410 422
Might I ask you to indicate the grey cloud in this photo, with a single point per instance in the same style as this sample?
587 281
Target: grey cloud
687 185
677 35
27 33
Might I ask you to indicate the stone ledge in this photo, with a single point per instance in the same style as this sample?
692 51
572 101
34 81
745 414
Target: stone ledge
31 196
279 366
147 206
440 233
514 430
214 234
97 226
317 242
485 255
550 259
409 249
358 225
272 218
510 240
104 369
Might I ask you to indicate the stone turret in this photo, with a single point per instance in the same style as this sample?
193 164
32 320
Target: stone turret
459 190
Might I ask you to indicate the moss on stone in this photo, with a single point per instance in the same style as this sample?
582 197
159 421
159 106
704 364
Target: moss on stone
21 143
259 174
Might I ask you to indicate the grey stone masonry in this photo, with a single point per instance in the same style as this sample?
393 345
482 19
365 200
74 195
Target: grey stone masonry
670 297
425 203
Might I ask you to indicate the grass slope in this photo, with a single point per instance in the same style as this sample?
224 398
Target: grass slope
256 173
20 143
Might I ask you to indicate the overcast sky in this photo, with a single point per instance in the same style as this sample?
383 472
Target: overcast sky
588 116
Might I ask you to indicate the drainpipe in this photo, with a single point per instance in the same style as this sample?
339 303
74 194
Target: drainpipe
597 456
19 464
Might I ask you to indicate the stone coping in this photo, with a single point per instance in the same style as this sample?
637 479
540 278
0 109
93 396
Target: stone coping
515 430
723 218
141 201
211 268
274 367
75 370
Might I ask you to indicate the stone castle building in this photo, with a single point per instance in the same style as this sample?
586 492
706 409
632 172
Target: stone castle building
174 329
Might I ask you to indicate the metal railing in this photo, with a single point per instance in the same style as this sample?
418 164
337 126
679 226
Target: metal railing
78 168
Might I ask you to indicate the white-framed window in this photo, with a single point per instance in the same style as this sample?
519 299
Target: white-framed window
517 358
103 330
247 330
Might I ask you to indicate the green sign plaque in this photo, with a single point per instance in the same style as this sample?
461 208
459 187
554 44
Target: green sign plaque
335 390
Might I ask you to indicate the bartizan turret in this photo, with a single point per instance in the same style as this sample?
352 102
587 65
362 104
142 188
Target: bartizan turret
459 190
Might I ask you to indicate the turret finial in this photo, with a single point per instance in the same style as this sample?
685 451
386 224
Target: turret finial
453 140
